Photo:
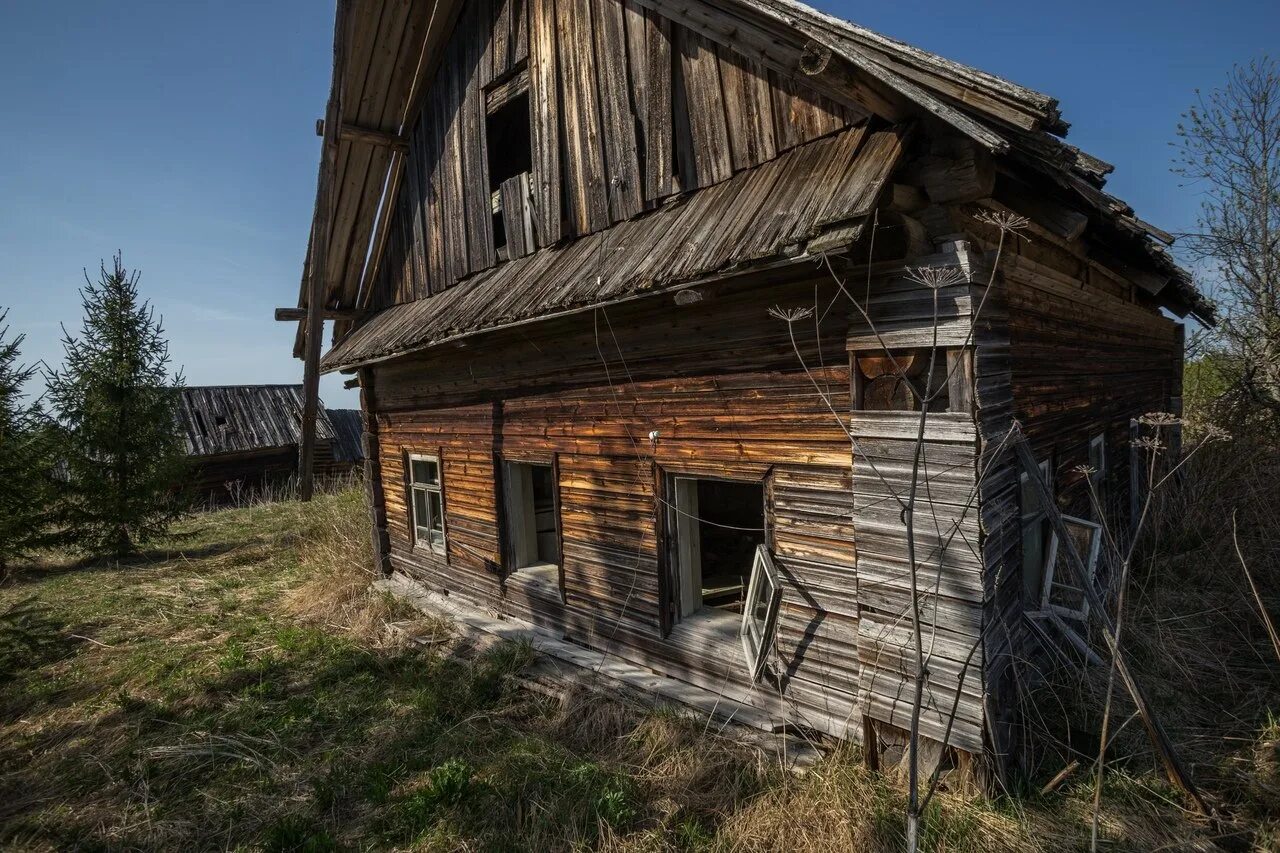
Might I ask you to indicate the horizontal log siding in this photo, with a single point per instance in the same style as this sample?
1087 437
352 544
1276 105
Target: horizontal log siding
1085 362
565 390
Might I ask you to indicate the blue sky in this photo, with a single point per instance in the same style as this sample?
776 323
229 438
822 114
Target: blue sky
182 134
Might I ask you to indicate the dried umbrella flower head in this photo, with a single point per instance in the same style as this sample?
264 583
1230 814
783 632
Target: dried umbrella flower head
1007 221
1086 470
1213 432
1152 444
936 278
790 315
1160 419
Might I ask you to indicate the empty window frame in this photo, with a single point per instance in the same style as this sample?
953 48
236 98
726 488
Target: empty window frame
509 154
715 528
426 498
760 615
896 380
1036 531
1063 591
532 514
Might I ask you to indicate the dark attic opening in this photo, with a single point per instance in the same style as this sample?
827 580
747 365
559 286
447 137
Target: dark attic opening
717 525
510 156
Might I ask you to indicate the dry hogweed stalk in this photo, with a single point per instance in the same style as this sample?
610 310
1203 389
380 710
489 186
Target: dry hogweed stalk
1160 419
790 315
936 278
1152 444
1007 221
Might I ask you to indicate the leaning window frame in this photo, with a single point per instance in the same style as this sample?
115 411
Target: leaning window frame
764 589
413 488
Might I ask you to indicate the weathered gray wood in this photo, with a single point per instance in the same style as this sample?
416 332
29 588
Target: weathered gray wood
544 105
624 188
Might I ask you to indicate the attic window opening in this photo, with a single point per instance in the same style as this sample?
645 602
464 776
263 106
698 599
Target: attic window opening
895 380
509 150
717 525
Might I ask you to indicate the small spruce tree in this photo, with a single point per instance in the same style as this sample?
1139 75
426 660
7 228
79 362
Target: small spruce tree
26 461
117 407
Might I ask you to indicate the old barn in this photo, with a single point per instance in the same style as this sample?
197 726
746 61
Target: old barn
641 297
244 438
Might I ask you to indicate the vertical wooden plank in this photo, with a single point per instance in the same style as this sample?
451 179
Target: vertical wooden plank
413 190
555 494
474 31
748 106
704 102
659 169
453 210
500 44
623 191
800 114
544 115
433 139
584 171
519 31
373 475
660 546
516 217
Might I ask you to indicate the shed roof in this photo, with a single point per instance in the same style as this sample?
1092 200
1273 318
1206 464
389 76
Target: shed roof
221 419
767 213
348 431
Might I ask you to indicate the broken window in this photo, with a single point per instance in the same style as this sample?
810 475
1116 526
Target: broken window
533 530
1034 520
510 161
427 498
1062 591
760 615
717 524
896 380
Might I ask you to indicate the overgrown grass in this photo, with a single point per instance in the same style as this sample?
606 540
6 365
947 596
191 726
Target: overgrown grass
238 688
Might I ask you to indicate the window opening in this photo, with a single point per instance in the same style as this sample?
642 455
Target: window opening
427 497
718 525
510 153
883 381
532 526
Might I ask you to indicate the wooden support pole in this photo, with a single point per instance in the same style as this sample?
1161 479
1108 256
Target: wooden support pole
1160 741
373 475
319 257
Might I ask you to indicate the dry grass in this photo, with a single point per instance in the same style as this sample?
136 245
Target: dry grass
238 689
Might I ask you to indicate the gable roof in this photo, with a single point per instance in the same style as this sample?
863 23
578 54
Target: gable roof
348 432
242 418
380 92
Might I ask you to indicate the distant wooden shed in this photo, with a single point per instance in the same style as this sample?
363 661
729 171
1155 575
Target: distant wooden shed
242 438
633 289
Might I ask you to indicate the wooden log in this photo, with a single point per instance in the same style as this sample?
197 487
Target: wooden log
292 315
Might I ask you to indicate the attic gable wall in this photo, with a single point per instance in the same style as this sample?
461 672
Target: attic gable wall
626 108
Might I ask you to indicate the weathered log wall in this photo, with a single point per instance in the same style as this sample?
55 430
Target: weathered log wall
722 386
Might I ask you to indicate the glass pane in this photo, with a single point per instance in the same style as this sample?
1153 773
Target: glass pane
426 472
437 511
421 515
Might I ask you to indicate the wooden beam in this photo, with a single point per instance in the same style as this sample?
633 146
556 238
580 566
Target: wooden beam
291 315
320 225
367 135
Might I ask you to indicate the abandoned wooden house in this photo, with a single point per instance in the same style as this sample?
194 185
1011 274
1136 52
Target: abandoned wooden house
244 438
633 292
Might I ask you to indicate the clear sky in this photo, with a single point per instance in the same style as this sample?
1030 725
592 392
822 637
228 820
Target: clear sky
182 133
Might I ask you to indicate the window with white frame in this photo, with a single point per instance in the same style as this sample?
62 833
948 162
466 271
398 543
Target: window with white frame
1036 530
427 498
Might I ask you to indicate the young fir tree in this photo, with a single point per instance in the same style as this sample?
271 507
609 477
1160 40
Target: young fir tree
26 461
117 407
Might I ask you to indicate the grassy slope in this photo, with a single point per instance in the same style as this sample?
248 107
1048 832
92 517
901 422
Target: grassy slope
233 690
